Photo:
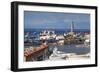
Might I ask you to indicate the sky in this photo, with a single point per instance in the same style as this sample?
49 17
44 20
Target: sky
55 20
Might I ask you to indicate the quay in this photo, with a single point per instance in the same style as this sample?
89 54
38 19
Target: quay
36 53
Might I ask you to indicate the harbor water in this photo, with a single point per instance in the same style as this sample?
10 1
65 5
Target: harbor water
71 49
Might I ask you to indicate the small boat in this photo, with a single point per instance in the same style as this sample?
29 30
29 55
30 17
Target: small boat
57 55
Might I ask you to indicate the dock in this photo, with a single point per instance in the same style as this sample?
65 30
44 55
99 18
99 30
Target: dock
36 53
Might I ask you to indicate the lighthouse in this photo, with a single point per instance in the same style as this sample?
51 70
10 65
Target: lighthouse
72 27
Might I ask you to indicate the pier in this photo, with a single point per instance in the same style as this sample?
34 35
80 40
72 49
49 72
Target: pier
36 53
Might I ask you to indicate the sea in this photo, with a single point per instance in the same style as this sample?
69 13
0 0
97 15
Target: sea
71 49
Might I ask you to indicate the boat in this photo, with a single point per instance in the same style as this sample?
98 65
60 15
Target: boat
57 55
47 34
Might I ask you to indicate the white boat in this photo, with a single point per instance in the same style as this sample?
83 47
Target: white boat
57 55
46 34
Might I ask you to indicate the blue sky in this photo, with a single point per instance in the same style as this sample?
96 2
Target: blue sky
55 20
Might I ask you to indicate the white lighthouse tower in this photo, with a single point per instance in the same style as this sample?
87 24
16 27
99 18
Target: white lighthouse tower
72 27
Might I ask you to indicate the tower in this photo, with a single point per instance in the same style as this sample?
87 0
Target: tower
72 27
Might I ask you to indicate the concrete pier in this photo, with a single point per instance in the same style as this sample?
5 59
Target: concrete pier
36 53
